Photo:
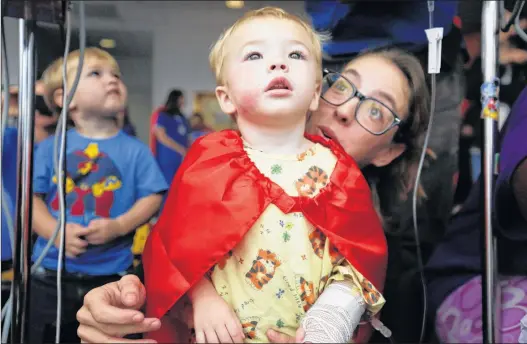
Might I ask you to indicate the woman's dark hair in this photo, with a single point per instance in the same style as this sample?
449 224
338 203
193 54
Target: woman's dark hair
392 184
172 103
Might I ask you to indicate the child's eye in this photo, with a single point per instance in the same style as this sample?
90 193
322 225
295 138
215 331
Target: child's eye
94 73
297 55
253 56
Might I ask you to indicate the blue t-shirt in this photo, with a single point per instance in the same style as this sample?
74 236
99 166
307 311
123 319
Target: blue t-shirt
106 177
178 129
9 184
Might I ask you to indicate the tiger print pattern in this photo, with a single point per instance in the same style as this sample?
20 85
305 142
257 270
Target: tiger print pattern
263 269
370 294
308 295
310 152
318 241
315 179
335 255
323 281
249 327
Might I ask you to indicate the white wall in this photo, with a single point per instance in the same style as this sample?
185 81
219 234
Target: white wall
182 43
12 45
137 75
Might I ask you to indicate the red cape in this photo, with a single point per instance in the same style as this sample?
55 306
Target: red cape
218 194
153 122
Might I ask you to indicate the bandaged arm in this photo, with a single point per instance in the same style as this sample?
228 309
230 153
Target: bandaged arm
335 315
346 300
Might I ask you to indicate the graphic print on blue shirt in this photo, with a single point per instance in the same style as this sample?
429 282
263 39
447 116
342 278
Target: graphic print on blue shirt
91 182
105 178
178 129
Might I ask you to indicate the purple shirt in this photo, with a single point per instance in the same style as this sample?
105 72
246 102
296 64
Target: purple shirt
457 258
513 151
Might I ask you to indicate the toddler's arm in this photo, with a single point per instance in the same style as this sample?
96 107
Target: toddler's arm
343 303
140 213
214 320
44 223
335 315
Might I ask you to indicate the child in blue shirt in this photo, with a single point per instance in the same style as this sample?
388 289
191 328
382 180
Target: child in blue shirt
113 186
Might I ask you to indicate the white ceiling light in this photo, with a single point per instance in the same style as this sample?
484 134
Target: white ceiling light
107 43
235 4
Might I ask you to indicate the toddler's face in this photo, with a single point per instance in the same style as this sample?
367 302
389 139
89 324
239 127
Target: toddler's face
270 71
101 91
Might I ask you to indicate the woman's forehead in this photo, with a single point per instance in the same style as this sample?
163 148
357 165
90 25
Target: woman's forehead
379 78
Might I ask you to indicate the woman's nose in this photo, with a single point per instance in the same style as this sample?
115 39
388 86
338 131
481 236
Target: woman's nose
345 113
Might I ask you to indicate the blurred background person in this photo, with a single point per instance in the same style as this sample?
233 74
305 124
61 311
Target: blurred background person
124 122
198 126
172 134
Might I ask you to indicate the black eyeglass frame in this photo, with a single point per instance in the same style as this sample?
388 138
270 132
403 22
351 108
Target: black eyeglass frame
397 121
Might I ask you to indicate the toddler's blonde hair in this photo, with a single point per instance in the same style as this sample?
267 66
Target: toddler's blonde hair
52 76
218 53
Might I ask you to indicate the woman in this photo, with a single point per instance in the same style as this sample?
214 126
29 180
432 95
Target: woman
171 132
395 86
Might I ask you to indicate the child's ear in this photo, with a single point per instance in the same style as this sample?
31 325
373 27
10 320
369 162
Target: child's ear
224 100
313 106
58 99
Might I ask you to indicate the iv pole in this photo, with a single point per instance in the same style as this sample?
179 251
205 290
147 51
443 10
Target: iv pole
22 245
490 110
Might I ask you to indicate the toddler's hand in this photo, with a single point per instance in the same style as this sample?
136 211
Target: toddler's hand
215 321
102 231
74 244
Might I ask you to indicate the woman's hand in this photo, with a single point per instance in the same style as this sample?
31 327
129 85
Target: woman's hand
112 311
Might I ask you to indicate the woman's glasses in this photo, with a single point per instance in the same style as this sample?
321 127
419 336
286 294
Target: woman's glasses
370 113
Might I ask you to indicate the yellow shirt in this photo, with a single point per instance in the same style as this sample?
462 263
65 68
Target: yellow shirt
275 274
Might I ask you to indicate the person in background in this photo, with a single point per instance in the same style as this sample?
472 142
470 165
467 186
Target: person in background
45 124
124 122
9 160
454 270
172 133
513 77
113 186
199 128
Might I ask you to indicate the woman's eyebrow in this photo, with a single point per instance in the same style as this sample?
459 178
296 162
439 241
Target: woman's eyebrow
380 93
352 72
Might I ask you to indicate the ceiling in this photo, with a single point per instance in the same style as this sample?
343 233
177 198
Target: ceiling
130 23
127 43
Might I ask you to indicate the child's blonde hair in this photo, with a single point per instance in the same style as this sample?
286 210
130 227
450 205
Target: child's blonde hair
217 54
52 76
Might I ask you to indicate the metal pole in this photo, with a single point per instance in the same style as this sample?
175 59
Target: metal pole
22 254
490 111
